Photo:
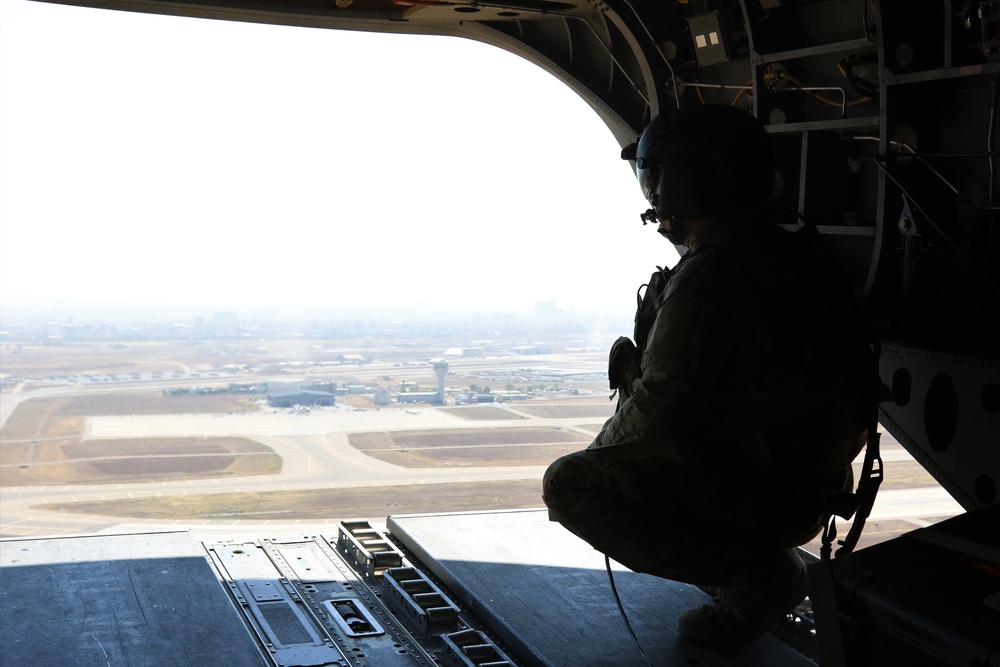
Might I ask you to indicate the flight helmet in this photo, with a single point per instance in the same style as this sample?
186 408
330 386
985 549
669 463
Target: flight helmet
702 161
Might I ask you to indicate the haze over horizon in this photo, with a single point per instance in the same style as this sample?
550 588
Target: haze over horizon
172 162
21 314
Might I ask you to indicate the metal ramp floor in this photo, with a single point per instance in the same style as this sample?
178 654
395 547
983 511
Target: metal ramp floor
546 594
345 599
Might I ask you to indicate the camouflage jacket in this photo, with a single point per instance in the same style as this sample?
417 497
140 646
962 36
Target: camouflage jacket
750 369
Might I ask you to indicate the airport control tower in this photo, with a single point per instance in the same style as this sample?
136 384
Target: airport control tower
441 370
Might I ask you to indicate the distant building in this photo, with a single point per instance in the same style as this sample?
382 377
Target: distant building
441 371
540 348
279 386
287 399
353 359
417 397
510 395
246 388
466 352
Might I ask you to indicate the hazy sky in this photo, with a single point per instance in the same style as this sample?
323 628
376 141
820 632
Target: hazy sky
164 160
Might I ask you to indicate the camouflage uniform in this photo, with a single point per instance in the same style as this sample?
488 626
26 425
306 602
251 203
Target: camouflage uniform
744 415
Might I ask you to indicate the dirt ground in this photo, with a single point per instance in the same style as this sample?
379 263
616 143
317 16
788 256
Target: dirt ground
481 413
578 411
150 356
41 417
469 447
140 460
42 443
874 533
322 503
900 474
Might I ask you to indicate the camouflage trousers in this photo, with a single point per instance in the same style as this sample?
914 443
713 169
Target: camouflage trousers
640 514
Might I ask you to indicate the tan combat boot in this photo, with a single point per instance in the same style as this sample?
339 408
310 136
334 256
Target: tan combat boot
742 612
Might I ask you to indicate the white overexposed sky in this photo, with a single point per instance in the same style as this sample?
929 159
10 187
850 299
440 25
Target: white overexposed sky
163 160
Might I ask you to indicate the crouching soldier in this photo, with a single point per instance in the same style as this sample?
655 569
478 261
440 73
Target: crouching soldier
742 402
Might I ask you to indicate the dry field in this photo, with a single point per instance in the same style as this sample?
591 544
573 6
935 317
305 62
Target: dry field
322 503
481 413
469 447
899 474
142 460
146 357
874 533
44 417
42 443
590 410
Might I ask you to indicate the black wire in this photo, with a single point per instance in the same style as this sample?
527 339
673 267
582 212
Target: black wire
990 134
861 87
953 155
920 158
614 589
986 279
869 31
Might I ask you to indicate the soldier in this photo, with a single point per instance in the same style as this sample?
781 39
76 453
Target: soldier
739 405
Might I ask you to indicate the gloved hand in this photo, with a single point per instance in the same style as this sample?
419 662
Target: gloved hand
624 367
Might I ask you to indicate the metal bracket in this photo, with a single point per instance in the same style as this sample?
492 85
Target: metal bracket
367 548
414 595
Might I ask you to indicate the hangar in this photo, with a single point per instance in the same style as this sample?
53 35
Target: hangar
286 399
